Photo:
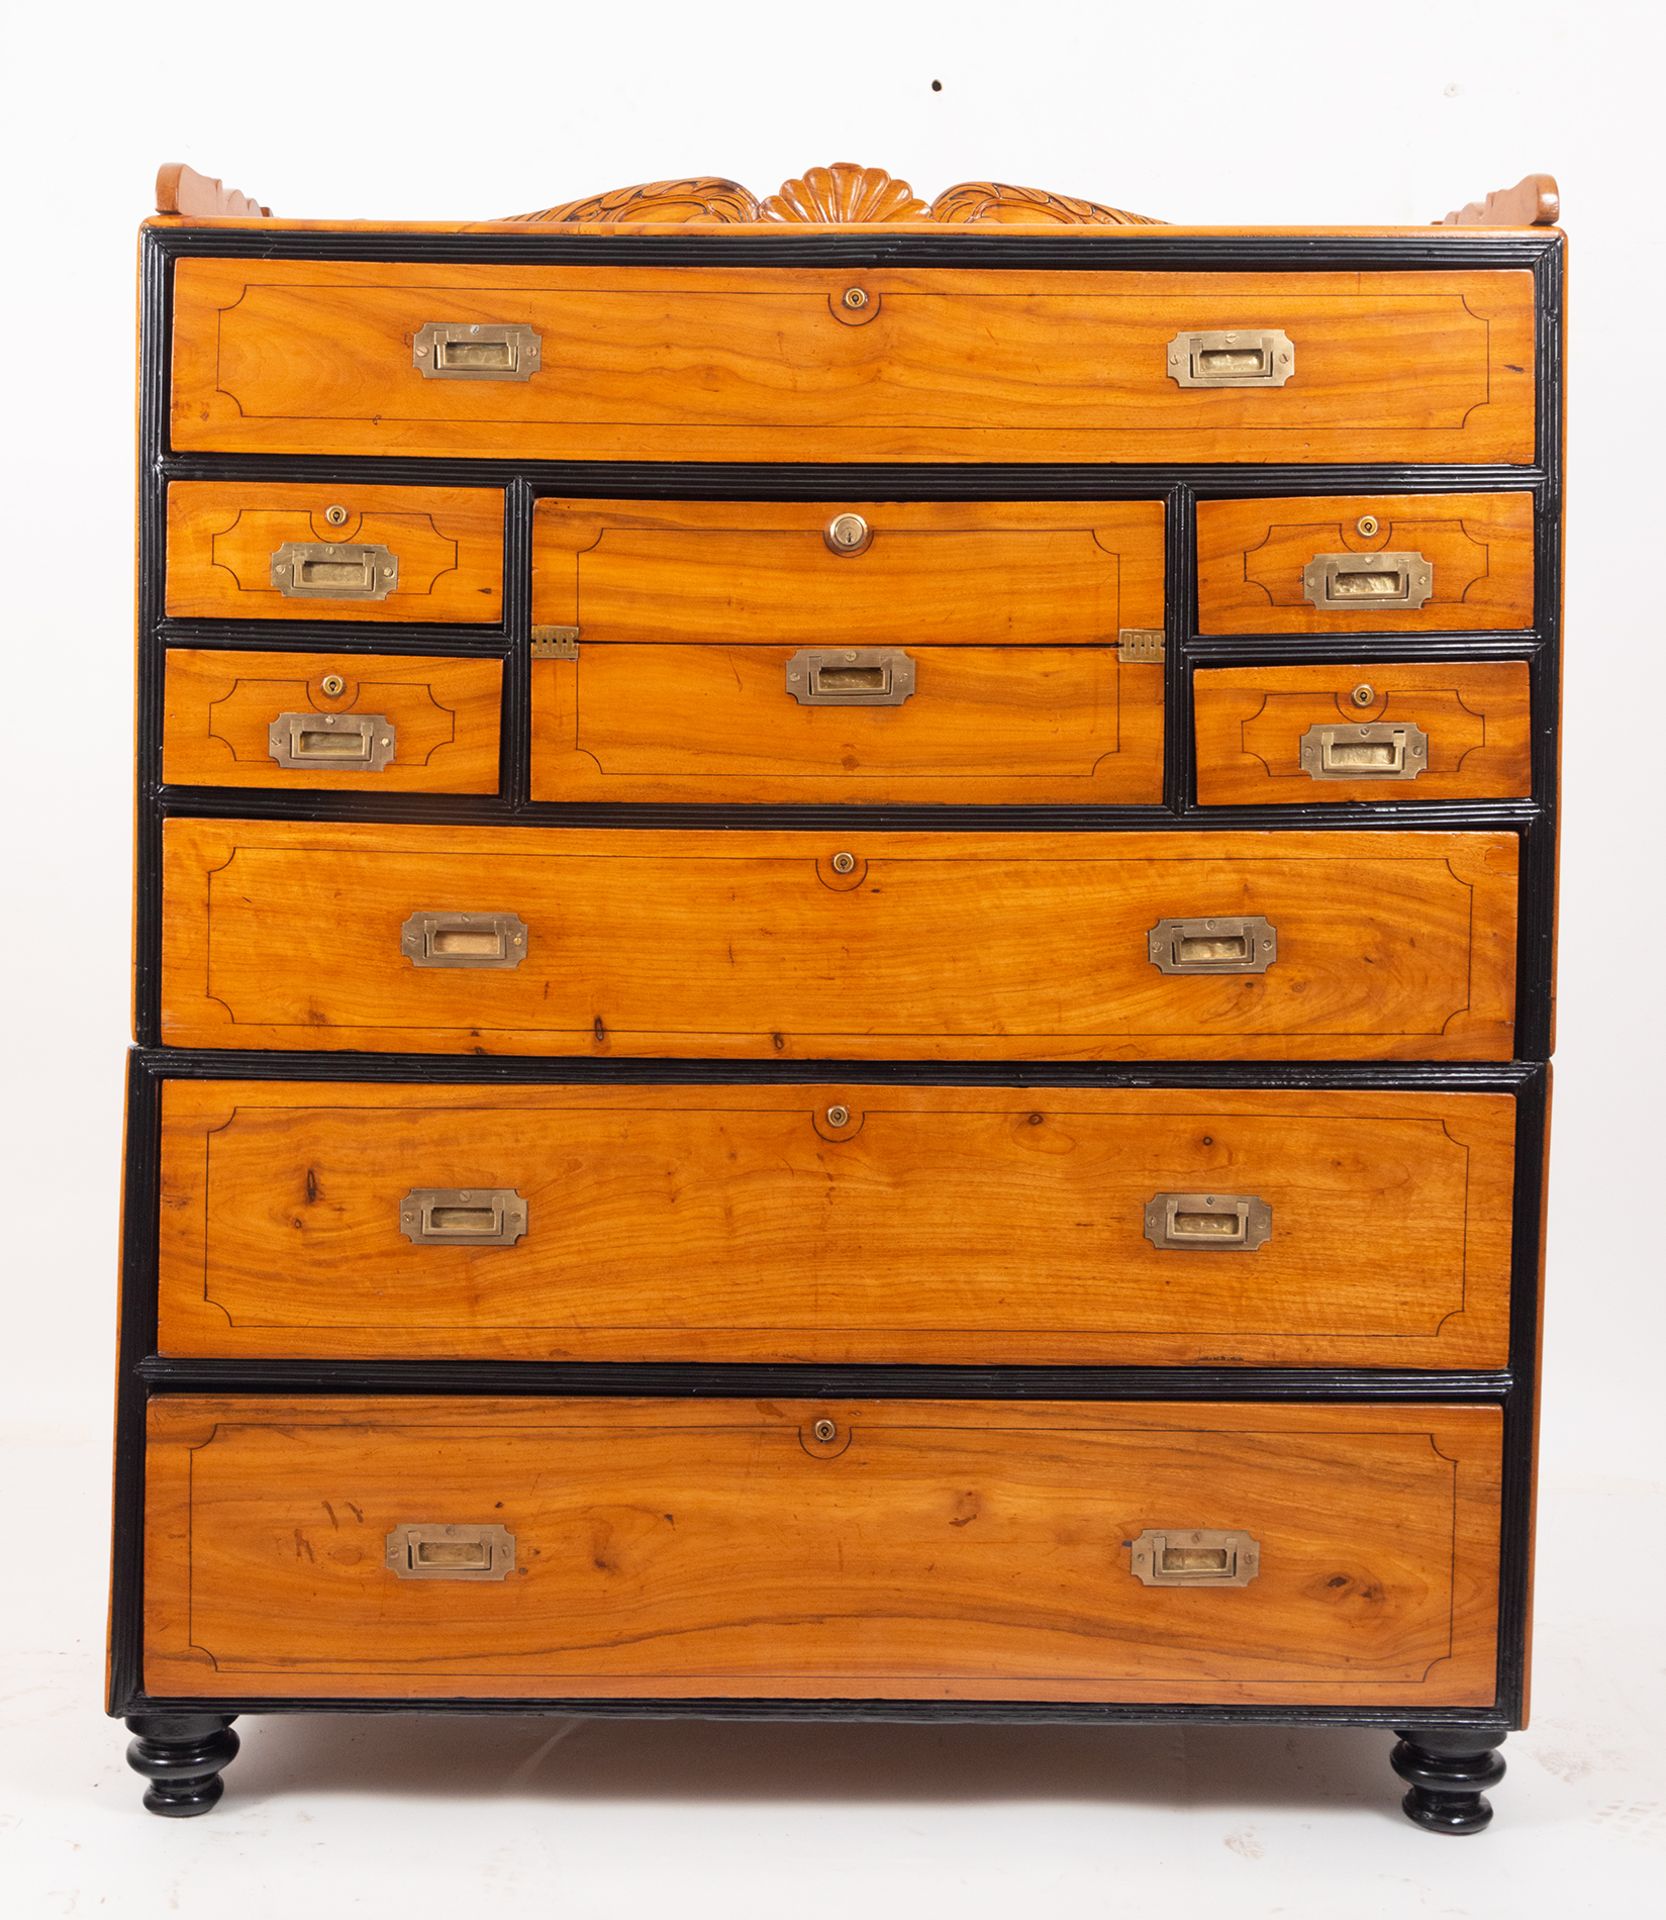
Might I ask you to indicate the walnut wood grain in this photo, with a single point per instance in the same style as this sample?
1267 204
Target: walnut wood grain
222 535
218 707
837 195
959 1225
182 190
767 363
1251 555
749 944
1250 722
940 1550
1532 202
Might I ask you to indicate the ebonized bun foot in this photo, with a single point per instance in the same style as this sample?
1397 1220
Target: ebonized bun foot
1448 1773
181 1755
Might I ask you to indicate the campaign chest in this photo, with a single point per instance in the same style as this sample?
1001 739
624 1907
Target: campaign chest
843 979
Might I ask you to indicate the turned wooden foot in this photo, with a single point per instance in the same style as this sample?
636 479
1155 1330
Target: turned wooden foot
181 1755
1448 1773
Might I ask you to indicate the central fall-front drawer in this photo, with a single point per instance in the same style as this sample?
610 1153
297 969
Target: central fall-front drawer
839 944
974 1549
836 1222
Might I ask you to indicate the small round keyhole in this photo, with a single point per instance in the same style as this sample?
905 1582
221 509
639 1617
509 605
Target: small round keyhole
336 516
844 863
847 533
856 298
838 1116
825 1430
1363 694
1367 525
332 684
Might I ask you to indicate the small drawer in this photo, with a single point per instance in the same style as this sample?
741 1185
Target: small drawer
262 550
531 1548
839 944
371 722
1398 563
733 361
1271 736
834 1223
938 652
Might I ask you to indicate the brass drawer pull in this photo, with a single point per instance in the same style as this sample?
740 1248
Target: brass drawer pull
441 939
1379 751
463 1216
1368 580
1247 945
1237 359
326 570
491 350
439 1550
353 742
1194 1557
1208 1222
850 677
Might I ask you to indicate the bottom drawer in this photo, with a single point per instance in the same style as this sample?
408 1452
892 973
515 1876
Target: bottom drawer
974 1550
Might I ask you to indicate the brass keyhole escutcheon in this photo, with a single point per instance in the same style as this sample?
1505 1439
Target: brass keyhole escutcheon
335 516
1366 525
856 298
1363 694
843 863
838 1116
332 684
847 533
825 1431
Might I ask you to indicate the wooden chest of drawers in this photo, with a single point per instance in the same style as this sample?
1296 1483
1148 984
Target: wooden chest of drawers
843 977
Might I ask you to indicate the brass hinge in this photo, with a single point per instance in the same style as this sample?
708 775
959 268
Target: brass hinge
555 643
1141 644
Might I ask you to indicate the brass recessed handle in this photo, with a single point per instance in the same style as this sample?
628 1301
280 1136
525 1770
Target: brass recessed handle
448 1550
1194 1557
1377 750
1208 1222
476 350
1248 944
334 570
463 1216
438 938
850 677
1361 582
1240 357
344 742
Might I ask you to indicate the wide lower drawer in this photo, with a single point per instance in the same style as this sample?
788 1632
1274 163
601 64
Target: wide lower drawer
856 363
1448 730
836 1222
268 550
1401 563
855 945
374 722
460 1548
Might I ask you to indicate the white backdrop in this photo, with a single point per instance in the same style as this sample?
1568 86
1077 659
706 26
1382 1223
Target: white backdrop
1209 112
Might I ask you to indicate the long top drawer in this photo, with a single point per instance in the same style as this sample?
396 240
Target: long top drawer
770 363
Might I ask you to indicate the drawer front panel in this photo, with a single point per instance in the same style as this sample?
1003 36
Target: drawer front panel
839 945
373 723
836 1223
258 550
938 573
869 1550
1401 563
1268 736
771 364
981 725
